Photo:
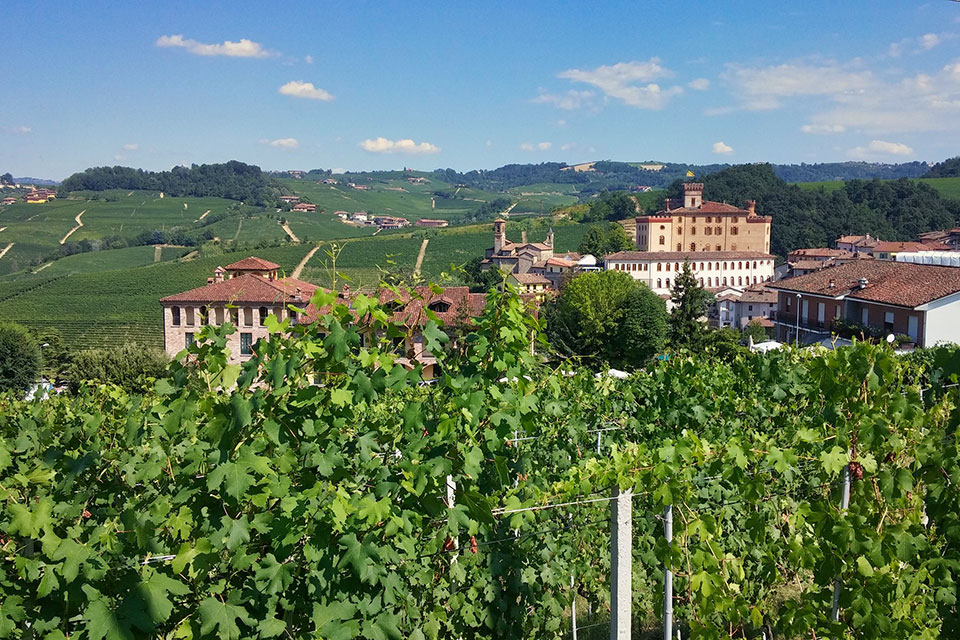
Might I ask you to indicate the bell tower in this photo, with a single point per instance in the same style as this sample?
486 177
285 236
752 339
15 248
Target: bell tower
499 234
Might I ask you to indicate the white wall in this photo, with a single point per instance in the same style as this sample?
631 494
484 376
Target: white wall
942 321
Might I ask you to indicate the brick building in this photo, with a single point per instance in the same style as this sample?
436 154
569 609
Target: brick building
917 300
698 225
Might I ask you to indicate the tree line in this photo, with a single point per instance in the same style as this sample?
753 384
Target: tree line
232 180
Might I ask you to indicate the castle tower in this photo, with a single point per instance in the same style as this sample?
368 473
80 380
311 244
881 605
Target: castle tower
549 241
499 235
692 194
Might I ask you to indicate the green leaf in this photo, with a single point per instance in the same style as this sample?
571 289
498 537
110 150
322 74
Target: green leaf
835 460
271 627
221 616
271 576
864 567
102 623
341 396
154 592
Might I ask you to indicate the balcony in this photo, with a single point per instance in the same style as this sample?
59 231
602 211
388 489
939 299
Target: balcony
808 324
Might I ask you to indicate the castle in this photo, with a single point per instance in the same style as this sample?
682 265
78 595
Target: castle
696 225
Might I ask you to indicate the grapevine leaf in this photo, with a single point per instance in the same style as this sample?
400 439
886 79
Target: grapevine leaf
221 616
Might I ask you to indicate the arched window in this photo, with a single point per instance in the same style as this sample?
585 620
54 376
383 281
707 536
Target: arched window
693 230
734 221
668 266
659 267
701 266
659 283
663 240
176 316
718 231
754 279
668 283
718 247
724 266
740 280
717 267
679 246
733 230
708 231
724 282
676 266
754 264
710 282
263 316
709 219
739 265
701 282
204 316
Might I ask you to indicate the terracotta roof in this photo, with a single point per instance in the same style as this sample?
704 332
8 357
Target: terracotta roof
248 288
693 256
810 265
760 295
561 262
529 278
853 239
903 284
464 306
708 206
821 252
252 264
893 247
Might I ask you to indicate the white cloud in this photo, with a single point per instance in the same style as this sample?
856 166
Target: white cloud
22 130
131 146
880 148
568 146
119 157
699 84
896 49
244 48
406 145
538 146
722 148
929 40
488 144
308 59
823 128
619 81
305 90
282 143
571 99
762 88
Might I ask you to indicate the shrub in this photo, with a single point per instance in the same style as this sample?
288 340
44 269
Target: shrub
130 366
19 358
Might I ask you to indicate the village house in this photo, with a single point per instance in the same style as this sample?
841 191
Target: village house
425 222
244 293
8 201
889 250
920 301
359 217
736 308
329 181
715 270
803 261
35 198
950 238
390 222
417 180
304 206
697 225
857 244
516 257
530 284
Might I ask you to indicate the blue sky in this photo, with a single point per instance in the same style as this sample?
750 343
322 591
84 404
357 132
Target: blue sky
475 85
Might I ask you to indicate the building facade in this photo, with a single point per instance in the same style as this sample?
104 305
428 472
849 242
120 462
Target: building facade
714 270
917 300
697 225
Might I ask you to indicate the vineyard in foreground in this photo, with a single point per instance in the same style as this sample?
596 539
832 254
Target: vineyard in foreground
331 494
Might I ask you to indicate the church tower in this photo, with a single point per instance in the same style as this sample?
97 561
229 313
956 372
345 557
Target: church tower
499 235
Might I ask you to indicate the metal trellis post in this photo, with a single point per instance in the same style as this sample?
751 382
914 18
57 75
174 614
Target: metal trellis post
668 576
621 563
844 503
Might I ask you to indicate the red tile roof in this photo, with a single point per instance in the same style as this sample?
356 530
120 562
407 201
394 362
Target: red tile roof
529 278
820 252
902 284
252 264
248 288
895 247
463 305
693 256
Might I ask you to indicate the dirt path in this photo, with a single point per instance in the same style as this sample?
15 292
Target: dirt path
3 228
506 212
300 265
79 224
190 256
3 251
286 230
423 251
157 253
239 226
202 215
43 267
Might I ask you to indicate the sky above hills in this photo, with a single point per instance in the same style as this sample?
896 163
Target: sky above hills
475 85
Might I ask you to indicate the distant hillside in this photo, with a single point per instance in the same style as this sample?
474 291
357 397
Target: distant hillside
38 181
946 169
232 180
590 178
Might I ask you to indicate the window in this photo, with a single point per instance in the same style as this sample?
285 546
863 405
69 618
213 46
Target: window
293 316
176 316
442 306
821 312
724 282
734 221
679 246
676 266
888 321
701 266
718 247
659 283
191 313
709 219
724 266
733 230
864 316
204 316
235 316
663 240
659 267
709 266
263 316
718 230
680 230
709 282
749 307
246 344
740 281
668 283
701 282
662 227
668 266
739 265
693 231
754 264
708 231
247 317
717 267
694 221
789 300
187 339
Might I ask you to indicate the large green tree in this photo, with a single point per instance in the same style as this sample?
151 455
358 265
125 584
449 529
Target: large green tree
602 239
607 316
19 358
690 304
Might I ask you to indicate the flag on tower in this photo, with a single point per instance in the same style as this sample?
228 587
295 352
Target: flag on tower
689 173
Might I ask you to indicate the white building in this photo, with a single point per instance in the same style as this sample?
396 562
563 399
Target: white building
713 270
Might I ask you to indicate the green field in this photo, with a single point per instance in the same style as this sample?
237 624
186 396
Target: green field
948 187
390 194
100 261
111 307
543 197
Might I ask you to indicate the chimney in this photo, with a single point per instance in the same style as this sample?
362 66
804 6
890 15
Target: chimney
831 284
523 236
862 283
217 275
209 280
752 207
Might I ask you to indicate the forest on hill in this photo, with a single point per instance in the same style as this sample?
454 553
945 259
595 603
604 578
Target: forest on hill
232 180
947 169
892 210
